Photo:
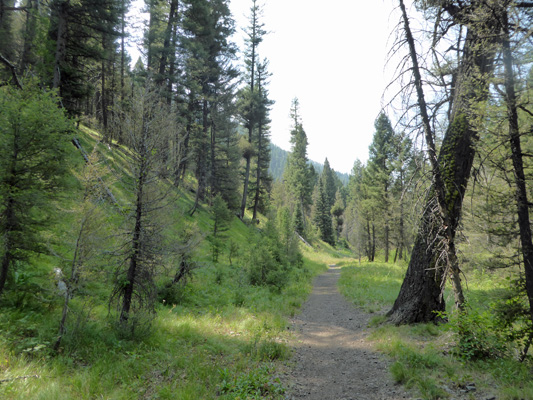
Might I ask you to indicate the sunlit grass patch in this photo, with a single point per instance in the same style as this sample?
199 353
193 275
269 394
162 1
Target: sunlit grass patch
371 285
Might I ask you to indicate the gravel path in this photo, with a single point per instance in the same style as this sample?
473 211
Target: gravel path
333 359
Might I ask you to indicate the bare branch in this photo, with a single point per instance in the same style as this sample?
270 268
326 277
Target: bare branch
6 62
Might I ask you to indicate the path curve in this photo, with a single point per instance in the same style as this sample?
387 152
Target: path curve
333 360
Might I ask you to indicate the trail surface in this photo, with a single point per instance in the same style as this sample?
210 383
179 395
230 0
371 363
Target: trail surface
333 359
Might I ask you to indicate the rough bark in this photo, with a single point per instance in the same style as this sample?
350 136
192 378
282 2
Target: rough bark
522 203
129 286
166 51
420 296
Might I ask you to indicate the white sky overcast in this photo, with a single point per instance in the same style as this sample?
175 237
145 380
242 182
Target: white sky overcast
331 56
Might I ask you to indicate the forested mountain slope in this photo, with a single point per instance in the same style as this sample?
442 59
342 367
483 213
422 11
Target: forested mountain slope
278 162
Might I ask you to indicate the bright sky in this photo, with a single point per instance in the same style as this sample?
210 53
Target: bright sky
331 55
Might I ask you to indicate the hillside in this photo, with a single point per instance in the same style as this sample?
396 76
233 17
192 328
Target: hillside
278 160
213 335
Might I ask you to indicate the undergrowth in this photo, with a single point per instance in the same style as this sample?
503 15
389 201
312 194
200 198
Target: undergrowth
214 335
474 355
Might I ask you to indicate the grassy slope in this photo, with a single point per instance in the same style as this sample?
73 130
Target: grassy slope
222 339
423 353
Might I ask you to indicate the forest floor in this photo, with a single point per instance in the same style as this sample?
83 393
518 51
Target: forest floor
333 360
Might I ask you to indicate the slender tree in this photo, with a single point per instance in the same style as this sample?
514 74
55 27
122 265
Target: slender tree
251 98
262 178
297 177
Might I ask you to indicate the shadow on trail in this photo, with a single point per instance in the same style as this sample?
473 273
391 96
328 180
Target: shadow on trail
333 359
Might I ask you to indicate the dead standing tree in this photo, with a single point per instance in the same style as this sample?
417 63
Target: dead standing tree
146 128
433 256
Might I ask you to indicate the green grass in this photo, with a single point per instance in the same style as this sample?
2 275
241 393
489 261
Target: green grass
424 355
372 286
218 338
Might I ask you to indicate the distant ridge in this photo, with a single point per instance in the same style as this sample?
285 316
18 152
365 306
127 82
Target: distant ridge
278 160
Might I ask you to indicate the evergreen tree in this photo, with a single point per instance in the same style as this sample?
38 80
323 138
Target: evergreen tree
379 175
208 26
329 183
297 177
323 215
148 122
337 211
33 135
252 109
84 33
262 183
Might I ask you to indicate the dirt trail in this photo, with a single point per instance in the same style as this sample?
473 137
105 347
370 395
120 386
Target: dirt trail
333 360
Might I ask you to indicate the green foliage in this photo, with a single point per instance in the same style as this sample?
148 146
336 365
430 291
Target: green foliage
477 337
372 285
273 253
256 384
33 138
297 175
323 214
513 317
266 262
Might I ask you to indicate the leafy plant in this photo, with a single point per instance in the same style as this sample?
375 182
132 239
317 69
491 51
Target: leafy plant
478 338
255 384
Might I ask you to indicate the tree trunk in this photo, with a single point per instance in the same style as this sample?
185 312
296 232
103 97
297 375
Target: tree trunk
518 165
258 171
373 251
29 36
10 225
245 188
136 247
387 241
165 52
369 241
120 138
61 41
7 257
201 162
103 103
421 292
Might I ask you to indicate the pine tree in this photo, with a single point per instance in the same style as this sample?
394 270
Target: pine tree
252 110
297 177
263 180
208 26
379 174
148 122
33 136
329 183
337 211
323 215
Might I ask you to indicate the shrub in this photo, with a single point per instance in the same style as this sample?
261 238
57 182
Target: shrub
478 338
266 262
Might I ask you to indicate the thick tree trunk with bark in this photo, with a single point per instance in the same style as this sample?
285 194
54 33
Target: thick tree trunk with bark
522 203
421 292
